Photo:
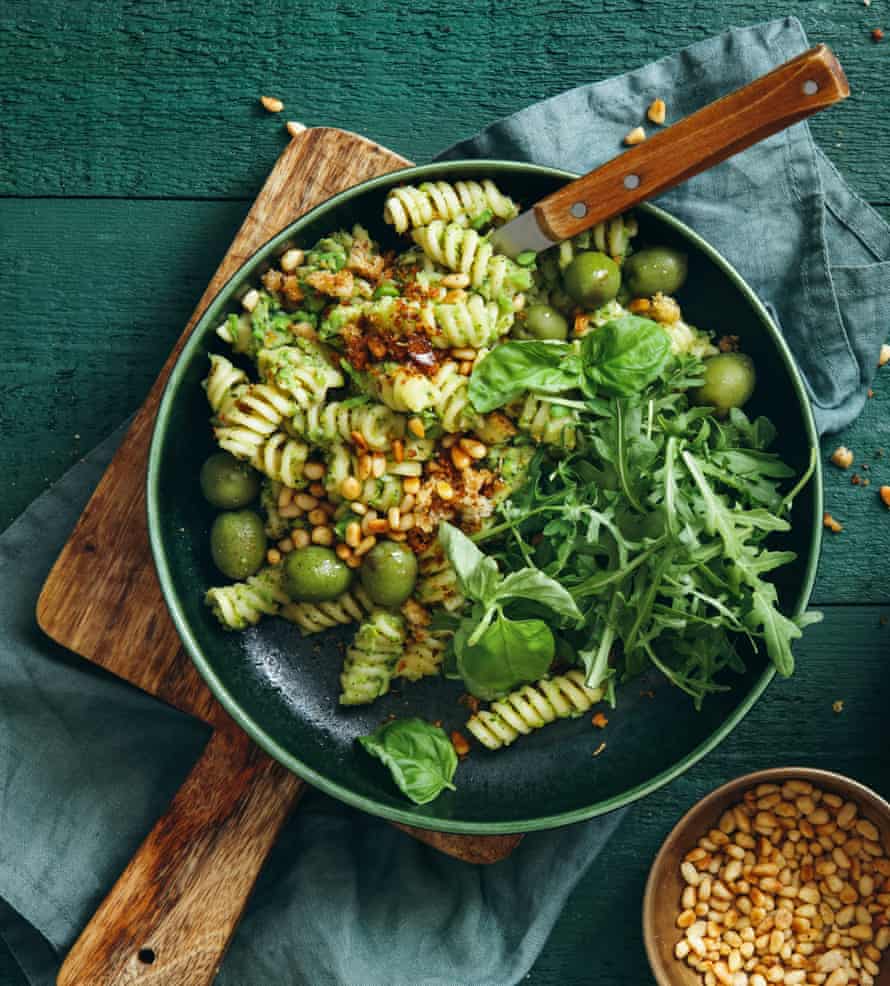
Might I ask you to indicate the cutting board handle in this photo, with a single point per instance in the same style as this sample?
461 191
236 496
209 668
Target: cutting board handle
790 93
170 916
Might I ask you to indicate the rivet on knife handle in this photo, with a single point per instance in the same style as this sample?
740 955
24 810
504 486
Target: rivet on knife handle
788 94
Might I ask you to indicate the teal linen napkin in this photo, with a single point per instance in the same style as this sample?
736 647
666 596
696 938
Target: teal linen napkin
87 763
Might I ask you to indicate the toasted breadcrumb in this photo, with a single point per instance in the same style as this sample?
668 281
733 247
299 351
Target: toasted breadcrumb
832 525
599 749
837 706
884 493
657 111
600 721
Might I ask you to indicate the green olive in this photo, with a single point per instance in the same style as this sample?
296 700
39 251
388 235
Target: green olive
655 269
389 572
544 322
316 575
228 483
729 382
592 279
238 543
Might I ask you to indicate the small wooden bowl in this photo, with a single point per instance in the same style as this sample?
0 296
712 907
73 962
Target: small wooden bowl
661 902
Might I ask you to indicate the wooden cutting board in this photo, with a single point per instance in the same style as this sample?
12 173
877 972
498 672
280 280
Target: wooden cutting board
172 913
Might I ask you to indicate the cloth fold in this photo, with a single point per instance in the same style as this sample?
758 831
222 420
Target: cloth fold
87 763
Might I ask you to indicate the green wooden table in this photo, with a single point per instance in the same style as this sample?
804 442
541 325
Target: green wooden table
131 144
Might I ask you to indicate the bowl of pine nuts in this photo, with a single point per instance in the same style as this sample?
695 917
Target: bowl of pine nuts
780 876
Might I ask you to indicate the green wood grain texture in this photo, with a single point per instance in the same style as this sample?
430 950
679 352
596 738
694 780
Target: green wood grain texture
159 97
131 144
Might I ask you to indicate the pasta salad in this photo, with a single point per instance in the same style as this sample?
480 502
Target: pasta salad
529 474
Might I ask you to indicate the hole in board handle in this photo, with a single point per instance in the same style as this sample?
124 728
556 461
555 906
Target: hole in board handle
631 182
810 88
578 210
146 956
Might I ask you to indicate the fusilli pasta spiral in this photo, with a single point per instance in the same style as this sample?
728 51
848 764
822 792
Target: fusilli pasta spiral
304 371
422 656
224 381
532 707
470 323
611 237
453 399
315 617
411 205
549 423
438 583
282 458
404 389
370 660
465 251
243 604
323 424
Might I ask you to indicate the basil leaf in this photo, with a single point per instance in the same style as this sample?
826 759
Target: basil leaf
509 653
532 583
624 356
419 756
476 572
514 367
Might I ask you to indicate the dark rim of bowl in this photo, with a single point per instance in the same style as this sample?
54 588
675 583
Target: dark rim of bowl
829 779
230 702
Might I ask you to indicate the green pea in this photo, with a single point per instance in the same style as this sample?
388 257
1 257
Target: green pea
655 269
729 382
389 572
316 575
592 279
228 483
386 290
544 322
238 543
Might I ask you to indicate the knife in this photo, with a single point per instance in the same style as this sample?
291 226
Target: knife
800 87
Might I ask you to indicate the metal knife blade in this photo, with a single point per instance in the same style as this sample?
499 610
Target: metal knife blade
521 234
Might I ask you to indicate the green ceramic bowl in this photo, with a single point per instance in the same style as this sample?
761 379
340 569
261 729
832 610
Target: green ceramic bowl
282 688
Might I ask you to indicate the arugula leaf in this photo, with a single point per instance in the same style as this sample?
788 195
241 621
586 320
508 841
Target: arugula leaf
507 654
419 756
624 356
514 367
532 583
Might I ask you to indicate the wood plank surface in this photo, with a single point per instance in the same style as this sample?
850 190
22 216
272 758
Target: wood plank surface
149 98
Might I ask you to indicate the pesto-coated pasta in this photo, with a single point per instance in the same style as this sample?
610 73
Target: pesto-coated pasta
243 604
372 657
223 383
452 401
315 617
550 423
422 656
532 707
470 323
464 251
303 371
282 458
467 201
323 424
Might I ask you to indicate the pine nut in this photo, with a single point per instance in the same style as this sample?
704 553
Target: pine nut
291 260
250 300
290 511
415 426
358 508
446 492
867 830
394 516
350 488
343 552
313 470
323 535
407 522
398 450
411 485
317 490
305 502
456 281
353 562
376 526
286 546
460 458
273 556
353 534
285 496
271 104
473 448
301 539
636 136
378 466
317 517
365 546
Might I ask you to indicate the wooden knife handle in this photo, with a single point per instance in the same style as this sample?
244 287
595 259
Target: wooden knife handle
169 918
788 94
